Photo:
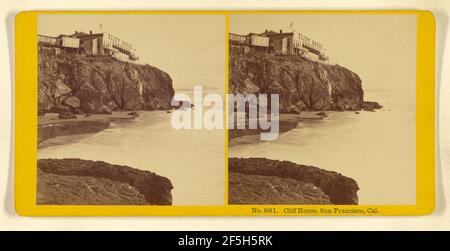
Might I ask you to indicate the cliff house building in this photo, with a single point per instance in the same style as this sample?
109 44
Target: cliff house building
282 43
251 42
93 44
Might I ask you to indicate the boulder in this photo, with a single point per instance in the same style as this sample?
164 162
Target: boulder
105 110
371 106
78 111
72 102
61 88
293 109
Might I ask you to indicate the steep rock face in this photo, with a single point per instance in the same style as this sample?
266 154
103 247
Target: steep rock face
340 190
155 189
96 84
303 85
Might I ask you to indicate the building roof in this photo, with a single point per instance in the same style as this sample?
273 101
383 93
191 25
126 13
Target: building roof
40 35
64 35
83 34
236 34
274 33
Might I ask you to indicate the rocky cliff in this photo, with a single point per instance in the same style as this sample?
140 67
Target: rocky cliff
264 181
303 85
86 182
82 84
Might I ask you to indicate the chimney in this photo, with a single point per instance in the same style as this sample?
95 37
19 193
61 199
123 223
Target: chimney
76 32
281 31
90 32
265 31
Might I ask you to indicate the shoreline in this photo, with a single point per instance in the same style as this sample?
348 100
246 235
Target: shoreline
50 126
287 122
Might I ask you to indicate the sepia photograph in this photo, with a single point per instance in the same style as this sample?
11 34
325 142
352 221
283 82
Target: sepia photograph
106 88
255 122
346 110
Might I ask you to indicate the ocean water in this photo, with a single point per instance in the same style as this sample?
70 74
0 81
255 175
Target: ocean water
192 159
377 149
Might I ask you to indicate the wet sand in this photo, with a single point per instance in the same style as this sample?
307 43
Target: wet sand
287 122
50 126
52 118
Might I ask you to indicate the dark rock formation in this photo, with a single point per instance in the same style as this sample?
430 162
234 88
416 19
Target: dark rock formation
54 189
302 84
93 83
271 190
133 113
72 102
104 109
371 106
97 182
183 104
338 189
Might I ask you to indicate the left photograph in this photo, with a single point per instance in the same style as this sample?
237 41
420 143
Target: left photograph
107 88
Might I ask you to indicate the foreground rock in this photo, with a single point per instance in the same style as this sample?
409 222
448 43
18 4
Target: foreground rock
54 189
86 182
100 85
302 84
264 181
260 190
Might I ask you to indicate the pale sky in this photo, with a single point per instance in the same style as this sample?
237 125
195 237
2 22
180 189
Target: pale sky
190 48
381 49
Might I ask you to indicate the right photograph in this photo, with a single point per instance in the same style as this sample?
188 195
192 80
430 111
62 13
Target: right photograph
322 109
